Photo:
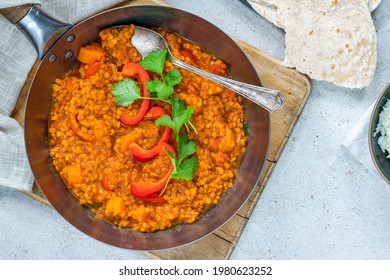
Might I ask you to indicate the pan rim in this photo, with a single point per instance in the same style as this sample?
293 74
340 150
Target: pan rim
46 191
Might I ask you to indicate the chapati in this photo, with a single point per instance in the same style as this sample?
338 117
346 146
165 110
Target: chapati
332 40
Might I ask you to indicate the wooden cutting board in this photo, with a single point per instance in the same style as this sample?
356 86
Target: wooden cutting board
295 89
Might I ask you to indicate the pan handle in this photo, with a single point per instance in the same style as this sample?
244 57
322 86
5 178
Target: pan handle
40 28
14 14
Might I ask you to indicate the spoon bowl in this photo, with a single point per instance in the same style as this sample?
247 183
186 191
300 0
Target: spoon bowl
147 41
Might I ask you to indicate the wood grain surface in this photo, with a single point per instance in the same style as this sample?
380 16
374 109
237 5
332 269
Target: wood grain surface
295 89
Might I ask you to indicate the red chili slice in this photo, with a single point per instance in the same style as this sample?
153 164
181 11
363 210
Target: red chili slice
74 126
107 183
187 53
93 69
134 69
143 155
144 189
80 134
218 68
156 112
156 200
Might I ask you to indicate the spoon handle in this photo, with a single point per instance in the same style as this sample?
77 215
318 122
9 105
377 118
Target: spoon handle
269 99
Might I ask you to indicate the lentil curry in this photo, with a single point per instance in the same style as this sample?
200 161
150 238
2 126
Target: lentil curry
94 141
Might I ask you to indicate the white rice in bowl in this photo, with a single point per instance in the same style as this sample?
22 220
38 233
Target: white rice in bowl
383 127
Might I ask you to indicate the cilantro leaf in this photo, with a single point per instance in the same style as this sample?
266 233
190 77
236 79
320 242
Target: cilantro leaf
163 90
154 61
185 147
180 115
126 92
94 205
153 85
245 127
186 170
165 121
173 77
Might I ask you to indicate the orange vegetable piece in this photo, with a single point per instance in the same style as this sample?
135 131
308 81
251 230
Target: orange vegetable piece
115 205
124 141
74 174
68 84
140 214
107 183
90 54
228 142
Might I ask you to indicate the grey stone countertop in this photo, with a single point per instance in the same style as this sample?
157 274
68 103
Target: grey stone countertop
320 202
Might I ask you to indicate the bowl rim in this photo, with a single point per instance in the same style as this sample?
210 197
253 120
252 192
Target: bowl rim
370 129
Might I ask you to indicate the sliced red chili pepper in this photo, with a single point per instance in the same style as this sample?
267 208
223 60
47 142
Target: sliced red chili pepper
157 200
143 155
106 183
131 69
57 123
80 134
93 69
218 68
156 112
73 125
135 69
111 68
187 53
143 189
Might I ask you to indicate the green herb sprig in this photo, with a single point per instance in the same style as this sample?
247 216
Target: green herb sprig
126 92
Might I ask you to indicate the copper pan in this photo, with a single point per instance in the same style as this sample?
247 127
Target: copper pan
58 44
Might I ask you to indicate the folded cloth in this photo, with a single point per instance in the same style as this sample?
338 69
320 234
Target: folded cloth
356 141
17 57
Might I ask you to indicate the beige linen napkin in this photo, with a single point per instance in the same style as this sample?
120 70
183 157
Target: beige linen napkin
17 57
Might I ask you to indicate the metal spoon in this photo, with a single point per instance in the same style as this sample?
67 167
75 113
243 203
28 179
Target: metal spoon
147 41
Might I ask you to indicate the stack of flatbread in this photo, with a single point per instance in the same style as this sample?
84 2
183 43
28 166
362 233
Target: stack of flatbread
332 40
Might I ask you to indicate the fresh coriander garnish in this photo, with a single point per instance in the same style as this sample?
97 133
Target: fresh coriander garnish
184 168
173 77
245 127
180 115
164 88
126 92
94 205
154 61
